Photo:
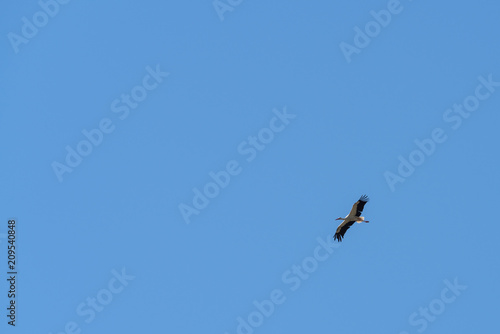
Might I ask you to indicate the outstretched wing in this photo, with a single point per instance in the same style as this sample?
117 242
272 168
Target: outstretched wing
339 234
358 207
361 204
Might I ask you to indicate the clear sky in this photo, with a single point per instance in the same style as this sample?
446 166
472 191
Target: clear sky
177 166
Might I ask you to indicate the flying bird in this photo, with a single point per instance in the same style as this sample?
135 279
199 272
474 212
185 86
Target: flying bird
351 218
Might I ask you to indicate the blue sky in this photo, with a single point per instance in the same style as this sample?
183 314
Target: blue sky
178 166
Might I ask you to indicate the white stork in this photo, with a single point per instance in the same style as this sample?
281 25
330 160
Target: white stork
353 216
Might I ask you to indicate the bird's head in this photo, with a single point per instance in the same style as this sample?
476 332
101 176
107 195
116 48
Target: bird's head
340 218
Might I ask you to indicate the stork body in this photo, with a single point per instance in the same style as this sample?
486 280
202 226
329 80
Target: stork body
353 217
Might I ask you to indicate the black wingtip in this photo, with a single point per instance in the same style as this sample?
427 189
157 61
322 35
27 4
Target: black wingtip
364 198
